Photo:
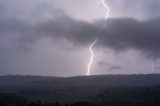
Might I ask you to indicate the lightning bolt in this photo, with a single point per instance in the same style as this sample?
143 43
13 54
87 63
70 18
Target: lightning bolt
92 45
107 8
92 56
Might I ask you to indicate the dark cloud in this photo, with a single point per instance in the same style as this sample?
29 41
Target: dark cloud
103 63
115 68
110 66
119 34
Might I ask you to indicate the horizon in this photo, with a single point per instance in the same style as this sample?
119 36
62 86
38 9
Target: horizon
79 75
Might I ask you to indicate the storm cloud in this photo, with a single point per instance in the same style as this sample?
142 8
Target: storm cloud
119 34
26 26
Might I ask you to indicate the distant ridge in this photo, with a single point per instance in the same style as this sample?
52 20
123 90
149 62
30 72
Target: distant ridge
105 80
75 88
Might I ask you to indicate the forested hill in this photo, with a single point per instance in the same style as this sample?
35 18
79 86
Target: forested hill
80 88
99 80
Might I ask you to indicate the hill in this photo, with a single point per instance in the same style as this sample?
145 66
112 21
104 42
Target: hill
73 89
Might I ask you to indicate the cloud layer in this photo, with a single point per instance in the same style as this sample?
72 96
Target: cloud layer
119 34
25 26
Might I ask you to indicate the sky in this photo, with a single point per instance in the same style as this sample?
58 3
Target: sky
52 37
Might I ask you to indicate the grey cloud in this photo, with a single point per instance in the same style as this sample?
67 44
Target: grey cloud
139 9
109 66
119 34
29 11
93 9
17 34
115 68
103 63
